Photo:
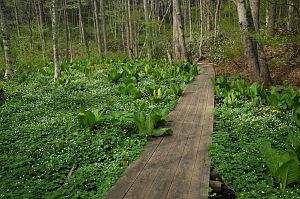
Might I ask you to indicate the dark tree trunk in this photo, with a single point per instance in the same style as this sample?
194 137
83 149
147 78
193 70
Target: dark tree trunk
248 20
180 47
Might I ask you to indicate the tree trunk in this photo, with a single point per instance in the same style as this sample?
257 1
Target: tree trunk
55 41
208 18
291 15
254 7
69 54
217 16
270 15
253 49
146 15
96 15
17 18
82 29
190 20
129 33
134 31
180 50
40 7
176 48
201 28
6 41
102 10
29 21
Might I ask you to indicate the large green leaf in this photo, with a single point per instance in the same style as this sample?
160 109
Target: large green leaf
293 146
139 119
254 90
162 131
283 166
160 117
149 124
288 173
273 158
273 97
87 118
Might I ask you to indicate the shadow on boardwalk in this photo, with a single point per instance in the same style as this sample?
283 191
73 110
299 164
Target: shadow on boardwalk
176 166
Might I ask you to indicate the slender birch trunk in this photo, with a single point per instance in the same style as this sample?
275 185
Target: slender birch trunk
271 15
6 41
30 33
190 20
146 16
17 18
55 41
134 31
29 23
69 53
42 34
115 24
176 48
129 34
217 16
82 29
96 15
201 27
208 18
102 11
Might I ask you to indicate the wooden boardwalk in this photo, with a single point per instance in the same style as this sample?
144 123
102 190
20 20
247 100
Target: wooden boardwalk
175 166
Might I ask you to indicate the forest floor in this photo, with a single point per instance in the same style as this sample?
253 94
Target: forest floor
236 126
284 65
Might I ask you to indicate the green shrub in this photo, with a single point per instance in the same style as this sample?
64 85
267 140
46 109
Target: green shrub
147 123
89 118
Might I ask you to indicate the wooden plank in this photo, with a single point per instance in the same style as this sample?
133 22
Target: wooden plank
200 179
166 174
181 183
195 115
173 115
191 87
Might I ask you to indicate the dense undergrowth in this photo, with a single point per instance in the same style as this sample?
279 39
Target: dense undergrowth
256 139
45 130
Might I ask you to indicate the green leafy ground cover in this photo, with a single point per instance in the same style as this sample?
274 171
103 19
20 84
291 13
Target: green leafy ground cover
42 136
247 120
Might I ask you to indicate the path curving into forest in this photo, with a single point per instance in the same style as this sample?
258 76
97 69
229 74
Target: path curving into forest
176 166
